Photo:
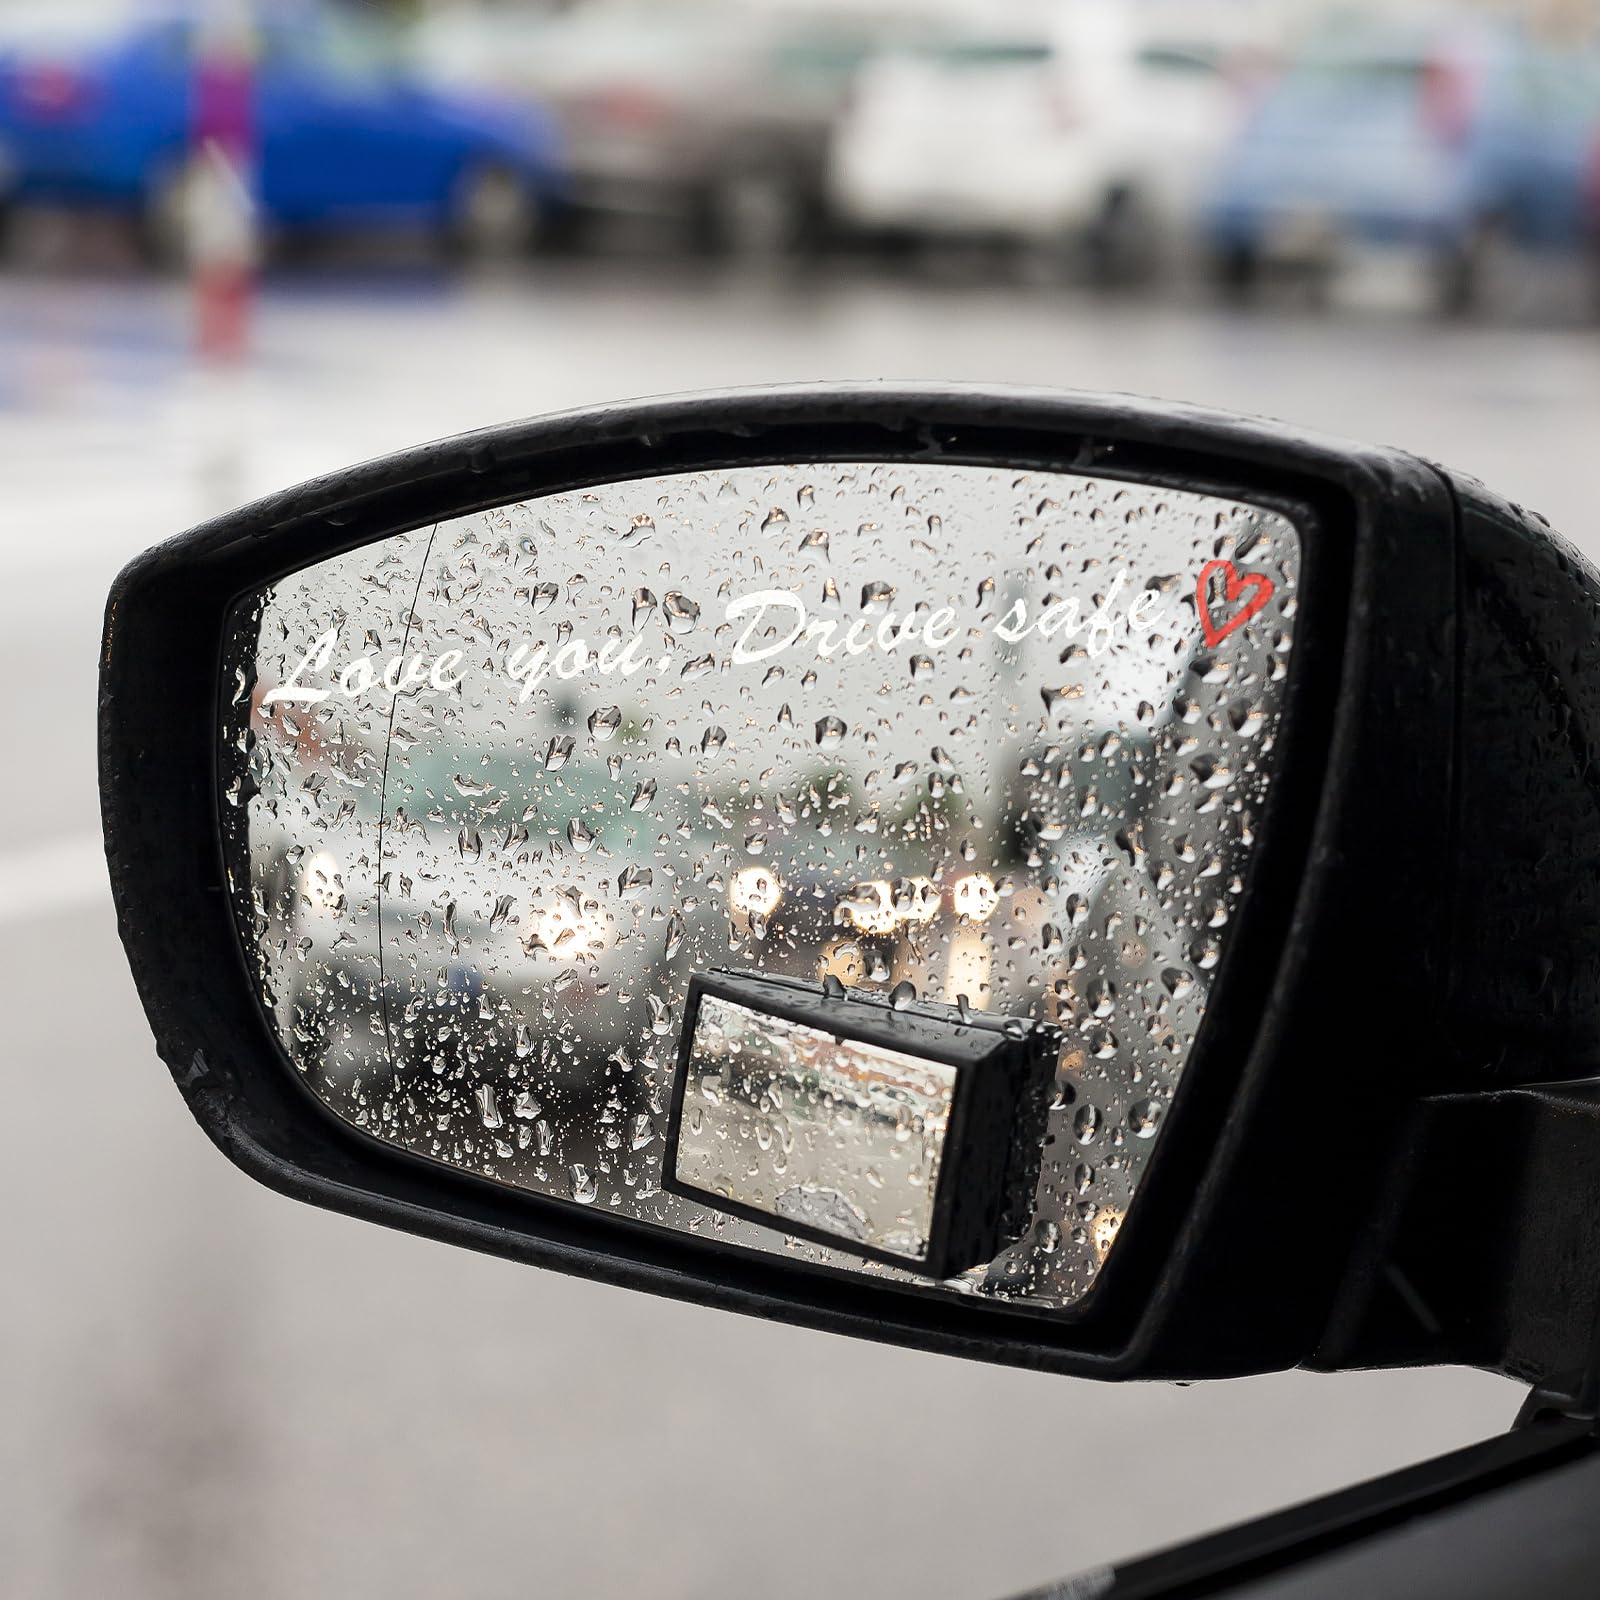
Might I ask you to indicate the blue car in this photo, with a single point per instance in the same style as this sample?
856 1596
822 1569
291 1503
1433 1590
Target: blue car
343 136
1462 141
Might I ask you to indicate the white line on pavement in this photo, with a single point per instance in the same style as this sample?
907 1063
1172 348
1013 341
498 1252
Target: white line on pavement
54 875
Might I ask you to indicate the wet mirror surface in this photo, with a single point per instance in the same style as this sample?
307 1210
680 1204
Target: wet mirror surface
965 733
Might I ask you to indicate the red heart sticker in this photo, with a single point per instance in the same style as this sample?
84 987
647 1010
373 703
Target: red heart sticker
1257 584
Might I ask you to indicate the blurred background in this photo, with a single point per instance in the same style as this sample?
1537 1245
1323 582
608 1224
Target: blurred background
242 243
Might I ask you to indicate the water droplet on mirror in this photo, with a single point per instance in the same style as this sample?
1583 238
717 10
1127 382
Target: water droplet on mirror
603 724
558 752
643 795
1107 1222
544 596
680 608
844 961
1144 1117
830 732
903 995
580 835
584 1186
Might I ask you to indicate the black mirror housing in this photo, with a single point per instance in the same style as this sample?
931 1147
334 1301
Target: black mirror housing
1415 930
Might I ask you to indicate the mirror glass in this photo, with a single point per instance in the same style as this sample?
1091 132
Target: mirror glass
978 735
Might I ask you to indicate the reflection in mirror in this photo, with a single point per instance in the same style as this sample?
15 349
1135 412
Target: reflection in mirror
981 736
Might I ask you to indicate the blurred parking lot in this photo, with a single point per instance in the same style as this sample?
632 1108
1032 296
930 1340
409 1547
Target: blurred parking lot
1384 230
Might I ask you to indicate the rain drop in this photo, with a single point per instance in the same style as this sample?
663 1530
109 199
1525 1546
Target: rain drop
1144 1117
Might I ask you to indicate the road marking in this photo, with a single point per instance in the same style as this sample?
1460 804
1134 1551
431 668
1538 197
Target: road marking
58 874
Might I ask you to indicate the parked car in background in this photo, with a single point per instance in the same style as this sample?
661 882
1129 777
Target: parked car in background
1467 141
99 114
716 117
1078 129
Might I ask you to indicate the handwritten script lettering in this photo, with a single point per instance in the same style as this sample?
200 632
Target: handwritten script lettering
770 622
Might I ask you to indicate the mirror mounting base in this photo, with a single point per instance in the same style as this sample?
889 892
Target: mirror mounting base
1481 1250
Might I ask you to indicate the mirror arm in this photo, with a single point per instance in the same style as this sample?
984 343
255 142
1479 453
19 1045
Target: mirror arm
1483 1245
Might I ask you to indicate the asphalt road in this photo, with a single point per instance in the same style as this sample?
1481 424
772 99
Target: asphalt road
208 1390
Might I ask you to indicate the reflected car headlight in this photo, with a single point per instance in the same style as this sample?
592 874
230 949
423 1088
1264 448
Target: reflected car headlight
970 967
916 899
868 907
754 892
322 883
975 897
570 927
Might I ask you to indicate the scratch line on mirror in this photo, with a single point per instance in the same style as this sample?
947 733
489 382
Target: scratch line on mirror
383 803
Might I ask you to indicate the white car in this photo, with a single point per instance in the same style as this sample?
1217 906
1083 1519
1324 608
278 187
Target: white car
1077 131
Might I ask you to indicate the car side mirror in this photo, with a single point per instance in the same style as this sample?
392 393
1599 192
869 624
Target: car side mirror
1076 882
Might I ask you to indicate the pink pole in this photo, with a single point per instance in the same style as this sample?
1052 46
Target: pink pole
219 197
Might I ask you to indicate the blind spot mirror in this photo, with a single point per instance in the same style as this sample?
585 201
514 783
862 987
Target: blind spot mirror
913 1135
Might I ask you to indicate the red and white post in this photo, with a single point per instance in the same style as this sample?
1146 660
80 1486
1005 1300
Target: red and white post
220 208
